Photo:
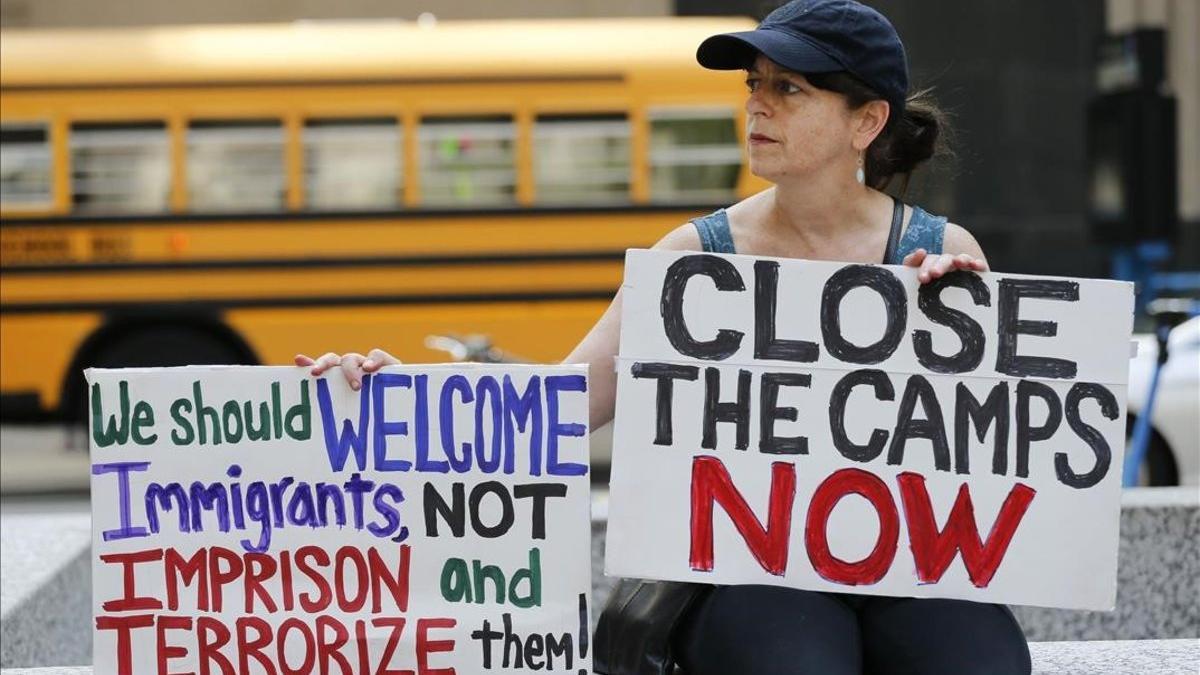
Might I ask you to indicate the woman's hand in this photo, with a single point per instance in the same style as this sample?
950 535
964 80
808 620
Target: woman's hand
933 266
353 364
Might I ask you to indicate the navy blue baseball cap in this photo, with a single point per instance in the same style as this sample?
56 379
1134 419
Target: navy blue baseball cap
820 36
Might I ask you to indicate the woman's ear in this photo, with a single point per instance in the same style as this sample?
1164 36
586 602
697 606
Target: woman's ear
871 118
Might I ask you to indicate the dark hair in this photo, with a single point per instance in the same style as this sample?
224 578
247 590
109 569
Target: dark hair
920 133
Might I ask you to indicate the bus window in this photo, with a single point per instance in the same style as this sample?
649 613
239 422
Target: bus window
25 177
236 165
467 161
581 158
352 164
118 168
695 154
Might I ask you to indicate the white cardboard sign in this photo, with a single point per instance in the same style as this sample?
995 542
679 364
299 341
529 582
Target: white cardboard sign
257 519
842 428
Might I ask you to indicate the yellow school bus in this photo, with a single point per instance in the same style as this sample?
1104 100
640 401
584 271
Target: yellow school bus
238 194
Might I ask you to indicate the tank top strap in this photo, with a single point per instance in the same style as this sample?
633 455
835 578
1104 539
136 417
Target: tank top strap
714 232
925 230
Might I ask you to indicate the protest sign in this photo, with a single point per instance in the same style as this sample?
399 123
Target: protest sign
843 428
257 519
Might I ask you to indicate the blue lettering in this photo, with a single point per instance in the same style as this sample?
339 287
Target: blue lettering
446 421
338 448
383 428
555 384
520 409
122 469
487 389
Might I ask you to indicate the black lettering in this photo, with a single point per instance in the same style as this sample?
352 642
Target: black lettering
969 332
506 509
715 410
726 278
766 345
1010 326
455 516
837 414
932 427
666 374
895 307
967 412
1026 432
539 492
769 411
1095 440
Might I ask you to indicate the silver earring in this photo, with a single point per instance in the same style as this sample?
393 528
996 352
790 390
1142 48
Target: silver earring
860 175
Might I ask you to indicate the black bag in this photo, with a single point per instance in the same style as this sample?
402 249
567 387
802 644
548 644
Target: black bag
636 629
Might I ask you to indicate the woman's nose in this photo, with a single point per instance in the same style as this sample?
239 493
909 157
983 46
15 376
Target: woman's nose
756 104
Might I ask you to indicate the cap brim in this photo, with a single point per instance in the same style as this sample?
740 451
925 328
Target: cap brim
735 51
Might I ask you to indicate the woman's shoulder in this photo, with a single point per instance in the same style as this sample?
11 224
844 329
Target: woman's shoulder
936 234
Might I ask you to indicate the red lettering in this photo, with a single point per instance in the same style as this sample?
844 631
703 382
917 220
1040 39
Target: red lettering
381 576
353 556
212 634
248 648
711 482
933 550
124 626
285 580
425 646
218 578
305 667
260 567
175 567
871 568
167 652
130 601
389 650
331 649
307 603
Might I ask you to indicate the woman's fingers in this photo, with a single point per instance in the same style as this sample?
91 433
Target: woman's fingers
352 368
934 266
377 358
915 258
323 363
303 360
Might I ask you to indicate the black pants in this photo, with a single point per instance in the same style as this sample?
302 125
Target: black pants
770 630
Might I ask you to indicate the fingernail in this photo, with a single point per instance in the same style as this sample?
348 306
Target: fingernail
368 364
354 386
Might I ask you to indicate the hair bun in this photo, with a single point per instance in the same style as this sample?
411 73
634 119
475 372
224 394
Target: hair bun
907 142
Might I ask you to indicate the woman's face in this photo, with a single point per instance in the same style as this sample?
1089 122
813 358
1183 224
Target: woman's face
793 128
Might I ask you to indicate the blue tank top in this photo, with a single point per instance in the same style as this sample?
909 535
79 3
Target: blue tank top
924 230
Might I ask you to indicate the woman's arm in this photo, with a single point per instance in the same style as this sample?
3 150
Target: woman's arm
599 348
960 251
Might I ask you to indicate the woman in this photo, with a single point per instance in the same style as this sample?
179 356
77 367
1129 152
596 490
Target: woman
830 124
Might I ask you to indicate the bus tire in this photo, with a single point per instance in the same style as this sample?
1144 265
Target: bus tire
150 346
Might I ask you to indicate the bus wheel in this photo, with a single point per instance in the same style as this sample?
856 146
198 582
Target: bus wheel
152 347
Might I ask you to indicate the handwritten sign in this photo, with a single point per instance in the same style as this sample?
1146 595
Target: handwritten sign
253 519
843 428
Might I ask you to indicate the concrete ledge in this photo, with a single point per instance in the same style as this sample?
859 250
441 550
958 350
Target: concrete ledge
1164 657
45 589
1158 576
